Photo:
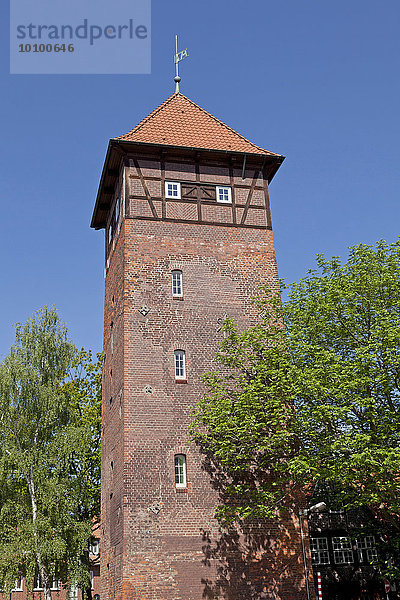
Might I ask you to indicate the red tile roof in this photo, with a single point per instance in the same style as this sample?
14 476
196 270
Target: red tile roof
180 122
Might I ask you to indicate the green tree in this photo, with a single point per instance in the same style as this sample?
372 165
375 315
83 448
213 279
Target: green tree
343 330
84 393
245 424
332 352
46 503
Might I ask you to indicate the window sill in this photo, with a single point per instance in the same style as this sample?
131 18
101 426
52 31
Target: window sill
181 490
180 380
177 297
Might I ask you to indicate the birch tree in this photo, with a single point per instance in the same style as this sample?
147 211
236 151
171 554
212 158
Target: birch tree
42 442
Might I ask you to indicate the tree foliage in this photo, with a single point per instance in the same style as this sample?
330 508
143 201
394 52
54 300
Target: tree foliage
332 353
343 325
84 393
47 430
245 424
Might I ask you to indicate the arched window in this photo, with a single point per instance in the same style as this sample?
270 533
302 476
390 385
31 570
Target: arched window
177 284
180 470
180 364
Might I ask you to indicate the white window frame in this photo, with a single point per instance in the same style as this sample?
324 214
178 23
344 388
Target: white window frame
372 555
178 190
177 274
91 579
94 547
223 188
38 587
19 585
55 584
366 549
342 550
117 211
319 551
180 365
180 471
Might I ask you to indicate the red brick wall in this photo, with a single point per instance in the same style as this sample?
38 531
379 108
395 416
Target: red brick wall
160 542
112 468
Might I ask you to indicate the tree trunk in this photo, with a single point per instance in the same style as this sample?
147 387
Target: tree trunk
44 576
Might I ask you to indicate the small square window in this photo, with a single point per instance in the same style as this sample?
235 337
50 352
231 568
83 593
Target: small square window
177 288
180 470
172 189
224 194
180 366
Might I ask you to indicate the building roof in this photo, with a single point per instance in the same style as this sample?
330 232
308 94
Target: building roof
180 122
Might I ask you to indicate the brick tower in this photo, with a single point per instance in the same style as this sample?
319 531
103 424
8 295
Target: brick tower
184 202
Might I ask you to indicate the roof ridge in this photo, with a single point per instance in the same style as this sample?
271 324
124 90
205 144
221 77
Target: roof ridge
225 125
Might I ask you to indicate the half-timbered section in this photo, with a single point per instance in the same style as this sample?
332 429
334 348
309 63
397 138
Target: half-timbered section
245 204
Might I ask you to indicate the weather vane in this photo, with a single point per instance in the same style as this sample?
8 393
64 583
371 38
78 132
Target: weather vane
177 59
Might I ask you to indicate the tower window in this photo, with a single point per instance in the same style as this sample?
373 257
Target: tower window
177 288
172 189
180 470
224 194
180 367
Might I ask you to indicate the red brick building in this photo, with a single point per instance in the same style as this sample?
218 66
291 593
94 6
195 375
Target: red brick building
59 591
184 202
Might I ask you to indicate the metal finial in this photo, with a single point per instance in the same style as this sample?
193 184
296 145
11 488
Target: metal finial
177 58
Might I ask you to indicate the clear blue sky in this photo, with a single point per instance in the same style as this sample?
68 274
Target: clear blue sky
315 81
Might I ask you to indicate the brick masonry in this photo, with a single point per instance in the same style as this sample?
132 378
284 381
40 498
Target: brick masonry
160 542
